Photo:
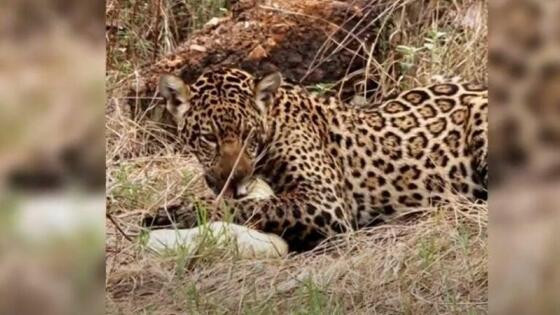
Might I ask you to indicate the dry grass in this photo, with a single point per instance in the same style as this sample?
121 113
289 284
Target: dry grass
417 40
139 32
433 263
436 264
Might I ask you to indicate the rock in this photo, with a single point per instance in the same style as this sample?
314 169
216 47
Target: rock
198 48
215 21
257 53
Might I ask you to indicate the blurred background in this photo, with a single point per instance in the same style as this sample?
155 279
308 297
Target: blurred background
52 170
524 63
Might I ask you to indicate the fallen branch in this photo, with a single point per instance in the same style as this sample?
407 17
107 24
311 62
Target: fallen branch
110 217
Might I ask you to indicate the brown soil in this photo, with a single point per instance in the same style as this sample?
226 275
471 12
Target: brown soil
309 42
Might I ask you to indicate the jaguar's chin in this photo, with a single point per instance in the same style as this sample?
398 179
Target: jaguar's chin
231 192
236 188
240 190
254 188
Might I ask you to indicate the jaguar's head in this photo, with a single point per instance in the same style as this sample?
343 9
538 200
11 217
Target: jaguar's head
222 116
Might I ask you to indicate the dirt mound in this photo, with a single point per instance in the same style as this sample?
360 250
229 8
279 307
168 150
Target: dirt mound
309 42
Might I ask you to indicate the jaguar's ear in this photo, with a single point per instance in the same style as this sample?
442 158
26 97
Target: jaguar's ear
265 90
176 93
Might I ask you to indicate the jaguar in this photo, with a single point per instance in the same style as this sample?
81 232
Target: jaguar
333 167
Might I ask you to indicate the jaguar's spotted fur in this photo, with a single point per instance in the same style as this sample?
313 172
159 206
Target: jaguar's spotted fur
333 167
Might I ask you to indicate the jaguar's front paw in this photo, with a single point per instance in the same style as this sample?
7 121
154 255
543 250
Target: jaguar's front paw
171 216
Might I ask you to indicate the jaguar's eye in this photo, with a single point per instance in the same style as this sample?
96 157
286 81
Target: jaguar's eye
209 138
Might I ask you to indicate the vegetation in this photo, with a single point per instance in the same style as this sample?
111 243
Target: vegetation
434 262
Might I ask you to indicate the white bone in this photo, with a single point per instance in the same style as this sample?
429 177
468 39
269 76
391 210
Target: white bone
249 243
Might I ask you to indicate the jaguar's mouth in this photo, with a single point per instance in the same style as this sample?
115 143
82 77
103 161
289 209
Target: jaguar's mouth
254 188
233 190
250 187
241 190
